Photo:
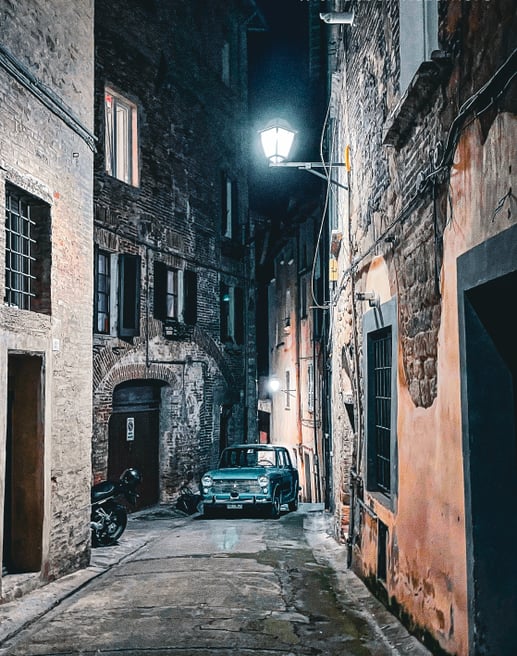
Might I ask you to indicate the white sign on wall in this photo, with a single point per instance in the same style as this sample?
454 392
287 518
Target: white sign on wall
130 429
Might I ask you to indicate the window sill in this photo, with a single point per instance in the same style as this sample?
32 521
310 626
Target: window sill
403 118
382 499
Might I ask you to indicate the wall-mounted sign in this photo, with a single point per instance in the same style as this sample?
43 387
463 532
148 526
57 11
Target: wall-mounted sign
130 429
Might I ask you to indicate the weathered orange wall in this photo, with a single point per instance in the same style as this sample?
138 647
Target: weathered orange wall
427 540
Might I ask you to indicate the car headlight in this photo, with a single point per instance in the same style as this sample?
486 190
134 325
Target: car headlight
263 481
207 481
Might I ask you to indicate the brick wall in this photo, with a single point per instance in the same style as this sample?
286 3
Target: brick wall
191 130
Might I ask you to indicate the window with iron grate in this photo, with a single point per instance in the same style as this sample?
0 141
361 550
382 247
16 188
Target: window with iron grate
27 251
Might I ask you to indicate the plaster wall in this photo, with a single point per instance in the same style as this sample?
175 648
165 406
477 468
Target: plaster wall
427 536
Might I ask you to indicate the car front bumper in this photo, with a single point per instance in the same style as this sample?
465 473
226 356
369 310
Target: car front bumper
235 503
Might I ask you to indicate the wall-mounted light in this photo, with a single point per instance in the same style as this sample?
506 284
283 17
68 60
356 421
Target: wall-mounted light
273 385
372 298
277 139
338 17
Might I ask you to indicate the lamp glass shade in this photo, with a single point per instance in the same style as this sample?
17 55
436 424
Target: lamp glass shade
273 384
276 142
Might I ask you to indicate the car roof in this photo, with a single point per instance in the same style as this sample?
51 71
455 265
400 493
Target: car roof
270 447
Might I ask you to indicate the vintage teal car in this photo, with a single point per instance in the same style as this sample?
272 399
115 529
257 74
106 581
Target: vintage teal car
251 476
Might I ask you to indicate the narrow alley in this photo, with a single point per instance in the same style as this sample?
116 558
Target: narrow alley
230 586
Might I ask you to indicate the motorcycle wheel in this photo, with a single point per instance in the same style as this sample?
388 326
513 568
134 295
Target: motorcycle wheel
114 526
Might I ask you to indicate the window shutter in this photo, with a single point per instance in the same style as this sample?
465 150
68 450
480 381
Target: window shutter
160 291
239 315
129 296
190 305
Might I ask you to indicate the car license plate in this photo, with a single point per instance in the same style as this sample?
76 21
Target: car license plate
234 506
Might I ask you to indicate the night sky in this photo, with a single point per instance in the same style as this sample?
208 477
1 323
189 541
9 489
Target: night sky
279 87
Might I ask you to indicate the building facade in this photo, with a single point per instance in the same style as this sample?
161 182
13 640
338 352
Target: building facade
174 324
294 385
46 252
423 361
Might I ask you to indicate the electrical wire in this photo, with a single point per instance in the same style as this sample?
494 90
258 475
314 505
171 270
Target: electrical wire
457 127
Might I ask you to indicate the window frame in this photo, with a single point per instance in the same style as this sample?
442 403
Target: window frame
118 146
229 208
232 321
418 37
28 225
106 292
310 387
376 322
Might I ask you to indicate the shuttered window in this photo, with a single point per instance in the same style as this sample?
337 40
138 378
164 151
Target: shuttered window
129 295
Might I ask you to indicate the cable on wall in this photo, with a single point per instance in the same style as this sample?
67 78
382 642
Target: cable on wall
45 95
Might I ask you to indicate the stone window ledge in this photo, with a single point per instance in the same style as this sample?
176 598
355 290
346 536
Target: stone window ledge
416 99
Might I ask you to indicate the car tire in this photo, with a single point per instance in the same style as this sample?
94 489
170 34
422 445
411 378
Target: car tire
275 506
293 505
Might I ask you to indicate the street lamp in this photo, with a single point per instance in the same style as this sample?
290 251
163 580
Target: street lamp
277 138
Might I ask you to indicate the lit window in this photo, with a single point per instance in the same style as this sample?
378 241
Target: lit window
27 251
229 208
121 147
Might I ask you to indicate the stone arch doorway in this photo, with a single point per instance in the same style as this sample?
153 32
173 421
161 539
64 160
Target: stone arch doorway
134 435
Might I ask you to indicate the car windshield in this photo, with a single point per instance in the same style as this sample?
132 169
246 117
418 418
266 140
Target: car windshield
248 458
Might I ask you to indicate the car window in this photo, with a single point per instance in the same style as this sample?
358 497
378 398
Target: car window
247 458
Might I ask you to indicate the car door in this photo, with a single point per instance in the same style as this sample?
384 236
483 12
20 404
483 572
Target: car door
285 474
291 476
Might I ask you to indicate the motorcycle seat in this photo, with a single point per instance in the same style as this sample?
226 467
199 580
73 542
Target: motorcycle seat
103 491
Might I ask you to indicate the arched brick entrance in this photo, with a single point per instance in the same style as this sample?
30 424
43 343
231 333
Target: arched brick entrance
134 435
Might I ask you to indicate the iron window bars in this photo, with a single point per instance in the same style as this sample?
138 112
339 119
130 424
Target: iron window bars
19 258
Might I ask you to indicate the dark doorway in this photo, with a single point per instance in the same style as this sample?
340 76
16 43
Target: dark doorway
134 430
308 478
23 500
264 427
226 413
489 405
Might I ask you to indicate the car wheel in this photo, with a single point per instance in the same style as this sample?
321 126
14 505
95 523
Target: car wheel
275 506
293 505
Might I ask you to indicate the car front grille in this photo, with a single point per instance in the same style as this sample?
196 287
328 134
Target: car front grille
248 486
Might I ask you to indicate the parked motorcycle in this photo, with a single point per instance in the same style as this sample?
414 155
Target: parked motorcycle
109 518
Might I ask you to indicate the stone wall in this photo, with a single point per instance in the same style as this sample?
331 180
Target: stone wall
46 152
